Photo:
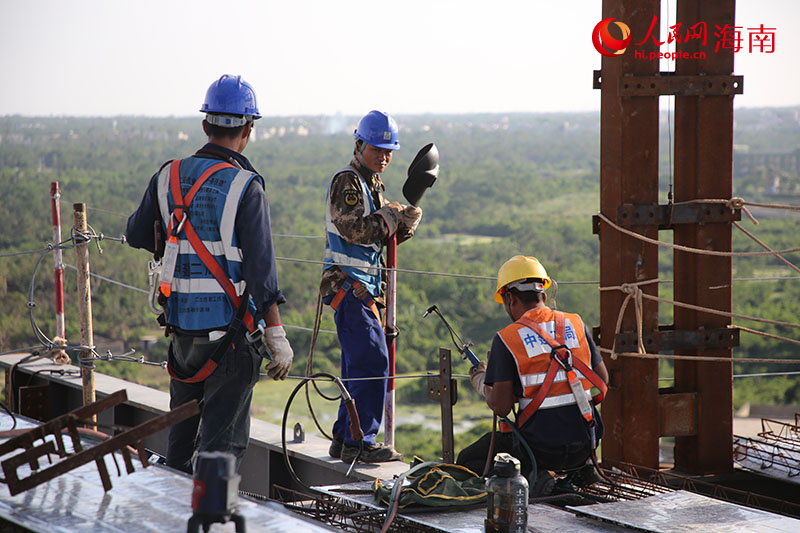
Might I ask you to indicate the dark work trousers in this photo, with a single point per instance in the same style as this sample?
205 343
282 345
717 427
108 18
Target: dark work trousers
562 458
364 354
224 399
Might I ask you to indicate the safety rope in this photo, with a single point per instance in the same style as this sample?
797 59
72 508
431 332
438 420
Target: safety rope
729 360
774 206
733 203
779 256
632 291
682 248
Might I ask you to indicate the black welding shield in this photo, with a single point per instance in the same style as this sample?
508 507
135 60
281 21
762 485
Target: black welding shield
422 172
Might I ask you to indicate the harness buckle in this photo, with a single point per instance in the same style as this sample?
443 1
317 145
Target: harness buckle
177 229
564 361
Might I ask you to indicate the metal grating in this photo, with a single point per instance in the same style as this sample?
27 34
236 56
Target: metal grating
776 451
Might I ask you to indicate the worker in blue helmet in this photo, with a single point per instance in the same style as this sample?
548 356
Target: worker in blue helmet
358 220
219 283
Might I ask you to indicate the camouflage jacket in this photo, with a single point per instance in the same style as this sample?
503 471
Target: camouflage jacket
347 210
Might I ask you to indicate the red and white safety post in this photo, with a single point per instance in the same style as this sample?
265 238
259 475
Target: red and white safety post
391 320
55 195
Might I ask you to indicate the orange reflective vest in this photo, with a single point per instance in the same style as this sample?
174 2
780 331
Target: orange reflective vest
548 346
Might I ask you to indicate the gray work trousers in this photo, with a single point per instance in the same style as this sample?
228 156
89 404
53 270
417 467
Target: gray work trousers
224 400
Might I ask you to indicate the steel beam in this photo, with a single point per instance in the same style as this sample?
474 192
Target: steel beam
703 170
629 175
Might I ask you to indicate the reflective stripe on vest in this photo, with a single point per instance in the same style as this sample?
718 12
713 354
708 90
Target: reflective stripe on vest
532 355
202 299
360 262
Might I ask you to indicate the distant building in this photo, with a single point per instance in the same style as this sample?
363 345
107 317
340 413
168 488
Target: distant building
746 163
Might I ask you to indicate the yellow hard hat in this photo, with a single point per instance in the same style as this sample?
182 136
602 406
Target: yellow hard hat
517 268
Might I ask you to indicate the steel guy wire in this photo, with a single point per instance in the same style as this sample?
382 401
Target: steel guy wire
298 236
761 374
101 210
12 254
308 329
109 280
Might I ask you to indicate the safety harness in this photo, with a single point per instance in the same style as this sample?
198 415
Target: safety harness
179 221
360 292
561 358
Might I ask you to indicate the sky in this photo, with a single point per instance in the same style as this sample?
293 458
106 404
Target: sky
158 57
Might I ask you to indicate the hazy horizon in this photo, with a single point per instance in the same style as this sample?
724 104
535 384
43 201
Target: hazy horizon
91 58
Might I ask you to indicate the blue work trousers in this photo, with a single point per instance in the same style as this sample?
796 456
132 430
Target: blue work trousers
364 354
224 399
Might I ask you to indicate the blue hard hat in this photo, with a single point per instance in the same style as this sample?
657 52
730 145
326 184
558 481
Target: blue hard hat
231 95
378 129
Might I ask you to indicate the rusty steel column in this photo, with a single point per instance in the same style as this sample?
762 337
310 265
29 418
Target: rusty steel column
629 175
703 170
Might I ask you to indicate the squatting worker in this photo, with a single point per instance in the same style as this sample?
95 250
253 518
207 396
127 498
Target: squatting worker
357 222
560 436
217 232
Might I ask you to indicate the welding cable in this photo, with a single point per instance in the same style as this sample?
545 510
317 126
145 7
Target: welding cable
289 467
488 465
394 498
11 414
355 425
534 469
312 345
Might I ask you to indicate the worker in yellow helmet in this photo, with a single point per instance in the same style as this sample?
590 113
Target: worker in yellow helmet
546 361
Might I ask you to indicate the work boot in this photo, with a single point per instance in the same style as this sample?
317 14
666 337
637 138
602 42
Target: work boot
587 475
335 450
371 453
543 485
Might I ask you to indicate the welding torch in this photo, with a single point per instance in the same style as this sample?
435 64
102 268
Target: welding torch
461 346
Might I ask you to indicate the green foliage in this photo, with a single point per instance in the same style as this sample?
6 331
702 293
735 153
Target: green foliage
513 184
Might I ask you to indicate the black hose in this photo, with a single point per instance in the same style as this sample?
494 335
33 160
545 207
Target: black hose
534 470
286 460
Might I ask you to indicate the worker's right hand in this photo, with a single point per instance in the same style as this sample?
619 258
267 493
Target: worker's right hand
477 375
282 353
411 215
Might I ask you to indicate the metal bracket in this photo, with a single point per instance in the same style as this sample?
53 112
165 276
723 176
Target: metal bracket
34 401
443 388
668 83
665 83
666 216
677 413
50 437
299 433
667 339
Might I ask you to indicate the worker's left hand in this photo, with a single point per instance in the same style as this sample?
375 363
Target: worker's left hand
282 354
477 375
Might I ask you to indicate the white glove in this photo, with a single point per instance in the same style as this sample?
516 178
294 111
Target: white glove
282 354
477 375
409 220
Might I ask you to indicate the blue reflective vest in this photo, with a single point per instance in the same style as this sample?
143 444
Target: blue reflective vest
198 302
360 261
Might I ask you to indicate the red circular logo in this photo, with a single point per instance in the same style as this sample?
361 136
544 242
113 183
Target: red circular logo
605 43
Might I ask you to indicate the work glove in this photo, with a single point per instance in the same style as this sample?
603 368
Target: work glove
282 354
411 216
477 375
